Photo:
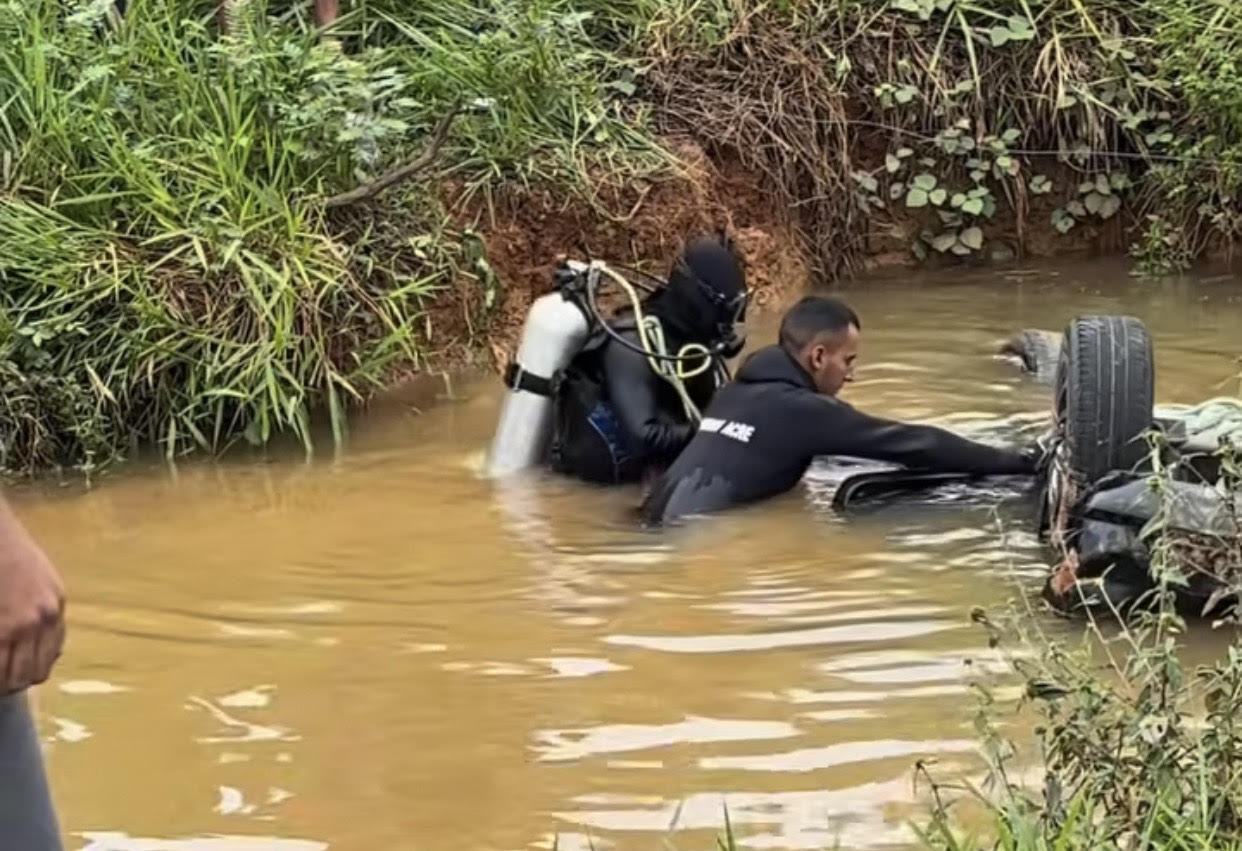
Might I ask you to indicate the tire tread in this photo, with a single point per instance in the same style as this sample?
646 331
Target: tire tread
1105 393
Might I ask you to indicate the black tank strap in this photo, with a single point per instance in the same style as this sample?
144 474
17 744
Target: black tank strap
517 378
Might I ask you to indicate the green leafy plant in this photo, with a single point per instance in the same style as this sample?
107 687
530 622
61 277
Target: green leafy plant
1137 750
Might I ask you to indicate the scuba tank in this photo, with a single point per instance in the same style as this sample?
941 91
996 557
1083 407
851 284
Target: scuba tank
556 327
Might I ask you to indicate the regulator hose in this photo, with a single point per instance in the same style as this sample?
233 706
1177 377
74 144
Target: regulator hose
672 368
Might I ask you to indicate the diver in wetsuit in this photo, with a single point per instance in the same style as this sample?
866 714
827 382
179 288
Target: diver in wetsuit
761 432
616 420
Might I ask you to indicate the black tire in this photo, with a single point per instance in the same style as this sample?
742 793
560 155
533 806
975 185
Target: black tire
1035 350
1104 394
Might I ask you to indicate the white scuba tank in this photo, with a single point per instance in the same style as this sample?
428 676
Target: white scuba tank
555 330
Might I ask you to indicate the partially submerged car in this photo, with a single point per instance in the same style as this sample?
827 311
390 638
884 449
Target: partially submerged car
1131 491
1128 491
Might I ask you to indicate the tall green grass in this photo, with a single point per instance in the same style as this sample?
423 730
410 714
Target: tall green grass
161 250
170 274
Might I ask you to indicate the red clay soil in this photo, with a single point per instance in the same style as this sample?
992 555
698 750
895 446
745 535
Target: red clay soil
525 230
643 225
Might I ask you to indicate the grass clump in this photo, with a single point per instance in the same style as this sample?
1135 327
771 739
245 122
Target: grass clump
165 266
925 118
1138 753
1138 750
174 270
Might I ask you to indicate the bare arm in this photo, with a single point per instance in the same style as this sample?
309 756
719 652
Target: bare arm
32 608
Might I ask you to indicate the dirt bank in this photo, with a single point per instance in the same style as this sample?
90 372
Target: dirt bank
643 225
523 230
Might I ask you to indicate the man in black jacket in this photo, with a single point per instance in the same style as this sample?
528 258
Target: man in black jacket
761 432
617 420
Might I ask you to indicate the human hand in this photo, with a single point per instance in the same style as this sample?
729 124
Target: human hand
32 608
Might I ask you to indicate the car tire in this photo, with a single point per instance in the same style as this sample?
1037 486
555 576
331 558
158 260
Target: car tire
1104 395
1035 350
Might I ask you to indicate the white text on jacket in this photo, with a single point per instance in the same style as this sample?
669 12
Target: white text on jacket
737 431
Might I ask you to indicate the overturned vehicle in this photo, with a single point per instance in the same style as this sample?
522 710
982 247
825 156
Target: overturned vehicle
1130 492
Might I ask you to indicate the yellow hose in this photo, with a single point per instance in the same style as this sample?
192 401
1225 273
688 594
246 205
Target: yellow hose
651 335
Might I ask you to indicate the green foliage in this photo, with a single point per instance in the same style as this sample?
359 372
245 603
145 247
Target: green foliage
549 102
171 274
1138 752
993 92
166 268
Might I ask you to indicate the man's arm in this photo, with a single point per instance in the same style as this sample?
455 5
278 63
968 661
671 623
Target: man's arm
32 608
842 430
630 381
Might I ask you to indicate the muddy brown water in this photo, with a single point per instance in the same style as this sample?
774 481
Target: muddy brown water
379 650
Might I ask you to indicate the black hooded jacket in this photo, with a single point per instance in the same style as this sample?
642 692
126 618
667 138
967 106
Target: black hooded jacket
761 433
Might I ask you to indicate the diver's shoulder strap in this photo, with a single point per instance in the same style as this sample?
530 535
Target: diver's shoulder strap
517 378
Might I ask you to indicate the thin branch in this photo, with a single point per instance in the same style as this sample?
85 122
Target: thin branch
369 190
626 219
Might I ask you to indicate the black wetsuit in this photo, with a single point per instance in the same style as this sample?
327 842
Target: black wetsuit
617 420
761 433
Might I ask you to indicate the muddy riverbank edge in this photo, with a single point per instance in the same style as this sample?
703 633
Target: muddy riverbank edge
475 320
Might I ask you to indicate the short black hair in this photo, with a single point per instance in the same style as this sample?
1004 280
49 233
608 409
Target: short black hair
814 315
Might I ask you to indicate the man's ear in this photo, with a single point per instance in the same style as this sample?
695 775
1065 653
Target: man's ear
815 355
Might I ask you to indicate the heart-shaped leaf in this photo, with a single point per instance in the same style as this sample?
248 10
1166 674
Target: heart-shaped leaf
972 238
1093 202
957 200
1020 28
944 242
938 196
1077 209
866 181
1110 206
892 164
916 198
926 182
973 206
